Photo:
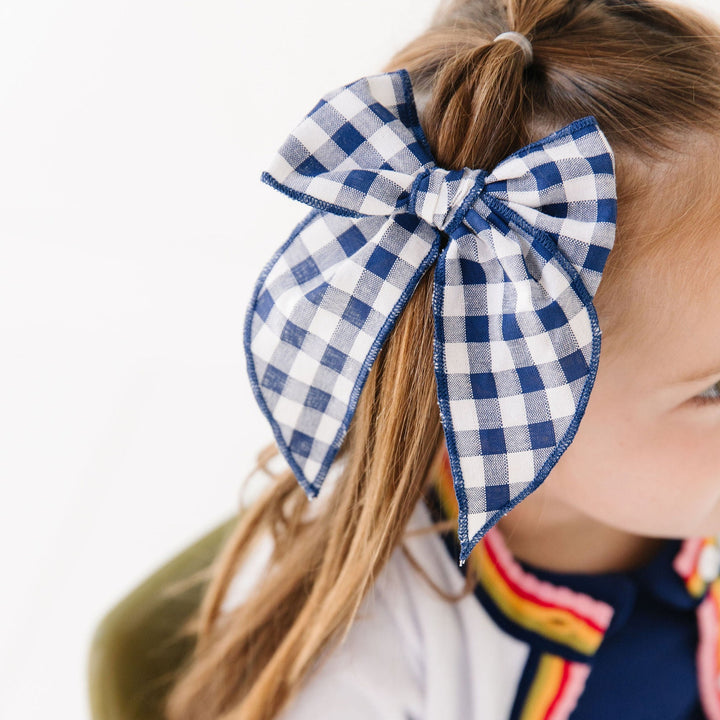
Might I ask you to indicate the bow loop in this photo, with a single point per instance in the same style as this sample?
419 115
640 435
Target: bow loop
353 157
359 159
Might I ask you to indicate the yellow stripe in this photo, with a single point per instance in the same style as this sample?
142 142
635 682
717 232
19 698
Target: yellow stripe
544 688
695 585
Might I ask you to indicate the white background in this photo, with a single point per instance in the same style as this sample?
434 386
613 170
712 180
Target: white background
132 227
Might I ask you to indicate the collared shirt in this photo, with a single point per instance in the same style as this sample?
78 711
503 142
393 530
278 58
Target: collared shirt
645 665
525 644
634 635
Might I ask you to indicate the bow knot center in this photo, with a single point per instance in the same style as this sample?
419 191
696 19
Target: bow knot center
442 197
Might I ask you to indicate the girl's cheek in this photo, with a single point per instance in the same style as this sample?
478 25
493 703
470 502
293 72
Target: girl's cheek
628 486
645 475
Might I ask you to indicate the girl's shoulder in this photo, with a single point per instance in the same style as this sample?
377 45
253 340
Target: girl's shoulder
410 652
378 669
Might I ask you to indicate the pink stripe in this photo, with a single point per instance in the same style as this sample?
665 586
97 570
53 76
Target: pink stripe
573 689
707 656
686 560
588 608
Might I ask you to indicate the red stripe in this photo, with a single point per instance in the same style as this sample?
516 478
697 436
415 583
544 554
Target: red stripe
538 601
561 689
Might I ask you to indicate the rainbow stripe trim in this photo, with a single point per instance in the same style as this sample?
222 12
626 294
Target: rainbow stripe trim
687 566
559 614
708 651
555 689
687 562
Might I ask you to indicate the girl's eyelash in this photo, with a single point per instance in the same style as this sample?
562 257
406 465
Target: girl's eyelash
712 399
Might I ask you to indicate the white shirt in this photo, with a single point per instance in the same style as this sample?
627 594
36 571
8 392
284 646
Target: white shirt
410 654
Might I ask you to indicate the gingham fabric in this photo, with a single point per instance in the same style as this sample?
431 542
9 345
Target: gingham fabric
517 339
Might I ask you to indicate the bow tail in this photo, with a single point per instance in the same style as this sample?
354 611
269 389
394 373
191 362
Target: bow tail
320 312
516 353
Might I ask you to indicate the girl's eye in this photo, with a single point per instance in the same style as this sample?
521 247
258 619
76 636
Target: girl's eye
710 396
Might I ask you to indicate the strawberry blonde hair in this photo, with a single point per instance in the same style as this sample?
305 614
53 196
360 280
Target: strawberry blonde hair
649 71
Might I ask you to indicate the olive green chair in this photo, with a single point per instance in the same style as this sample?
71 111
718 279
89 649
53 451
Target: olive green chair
134 653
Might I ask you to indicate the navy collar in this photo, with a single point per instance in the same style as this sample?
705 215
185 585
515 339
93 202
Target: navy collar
658 579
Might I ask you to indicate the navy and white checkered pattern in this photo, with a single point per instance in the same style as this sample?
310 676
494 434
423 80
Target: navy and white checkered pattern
517 340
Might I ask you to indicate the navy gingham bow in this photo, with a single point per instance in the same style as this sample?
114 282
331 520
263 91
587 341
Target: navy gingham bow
517 340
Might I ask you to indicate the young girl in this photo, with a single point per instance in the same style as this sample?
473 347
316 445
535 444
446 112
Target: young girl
555 568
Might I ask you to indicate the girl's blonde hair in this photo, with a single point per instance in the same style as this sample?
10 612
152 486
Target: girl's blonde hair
649 73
